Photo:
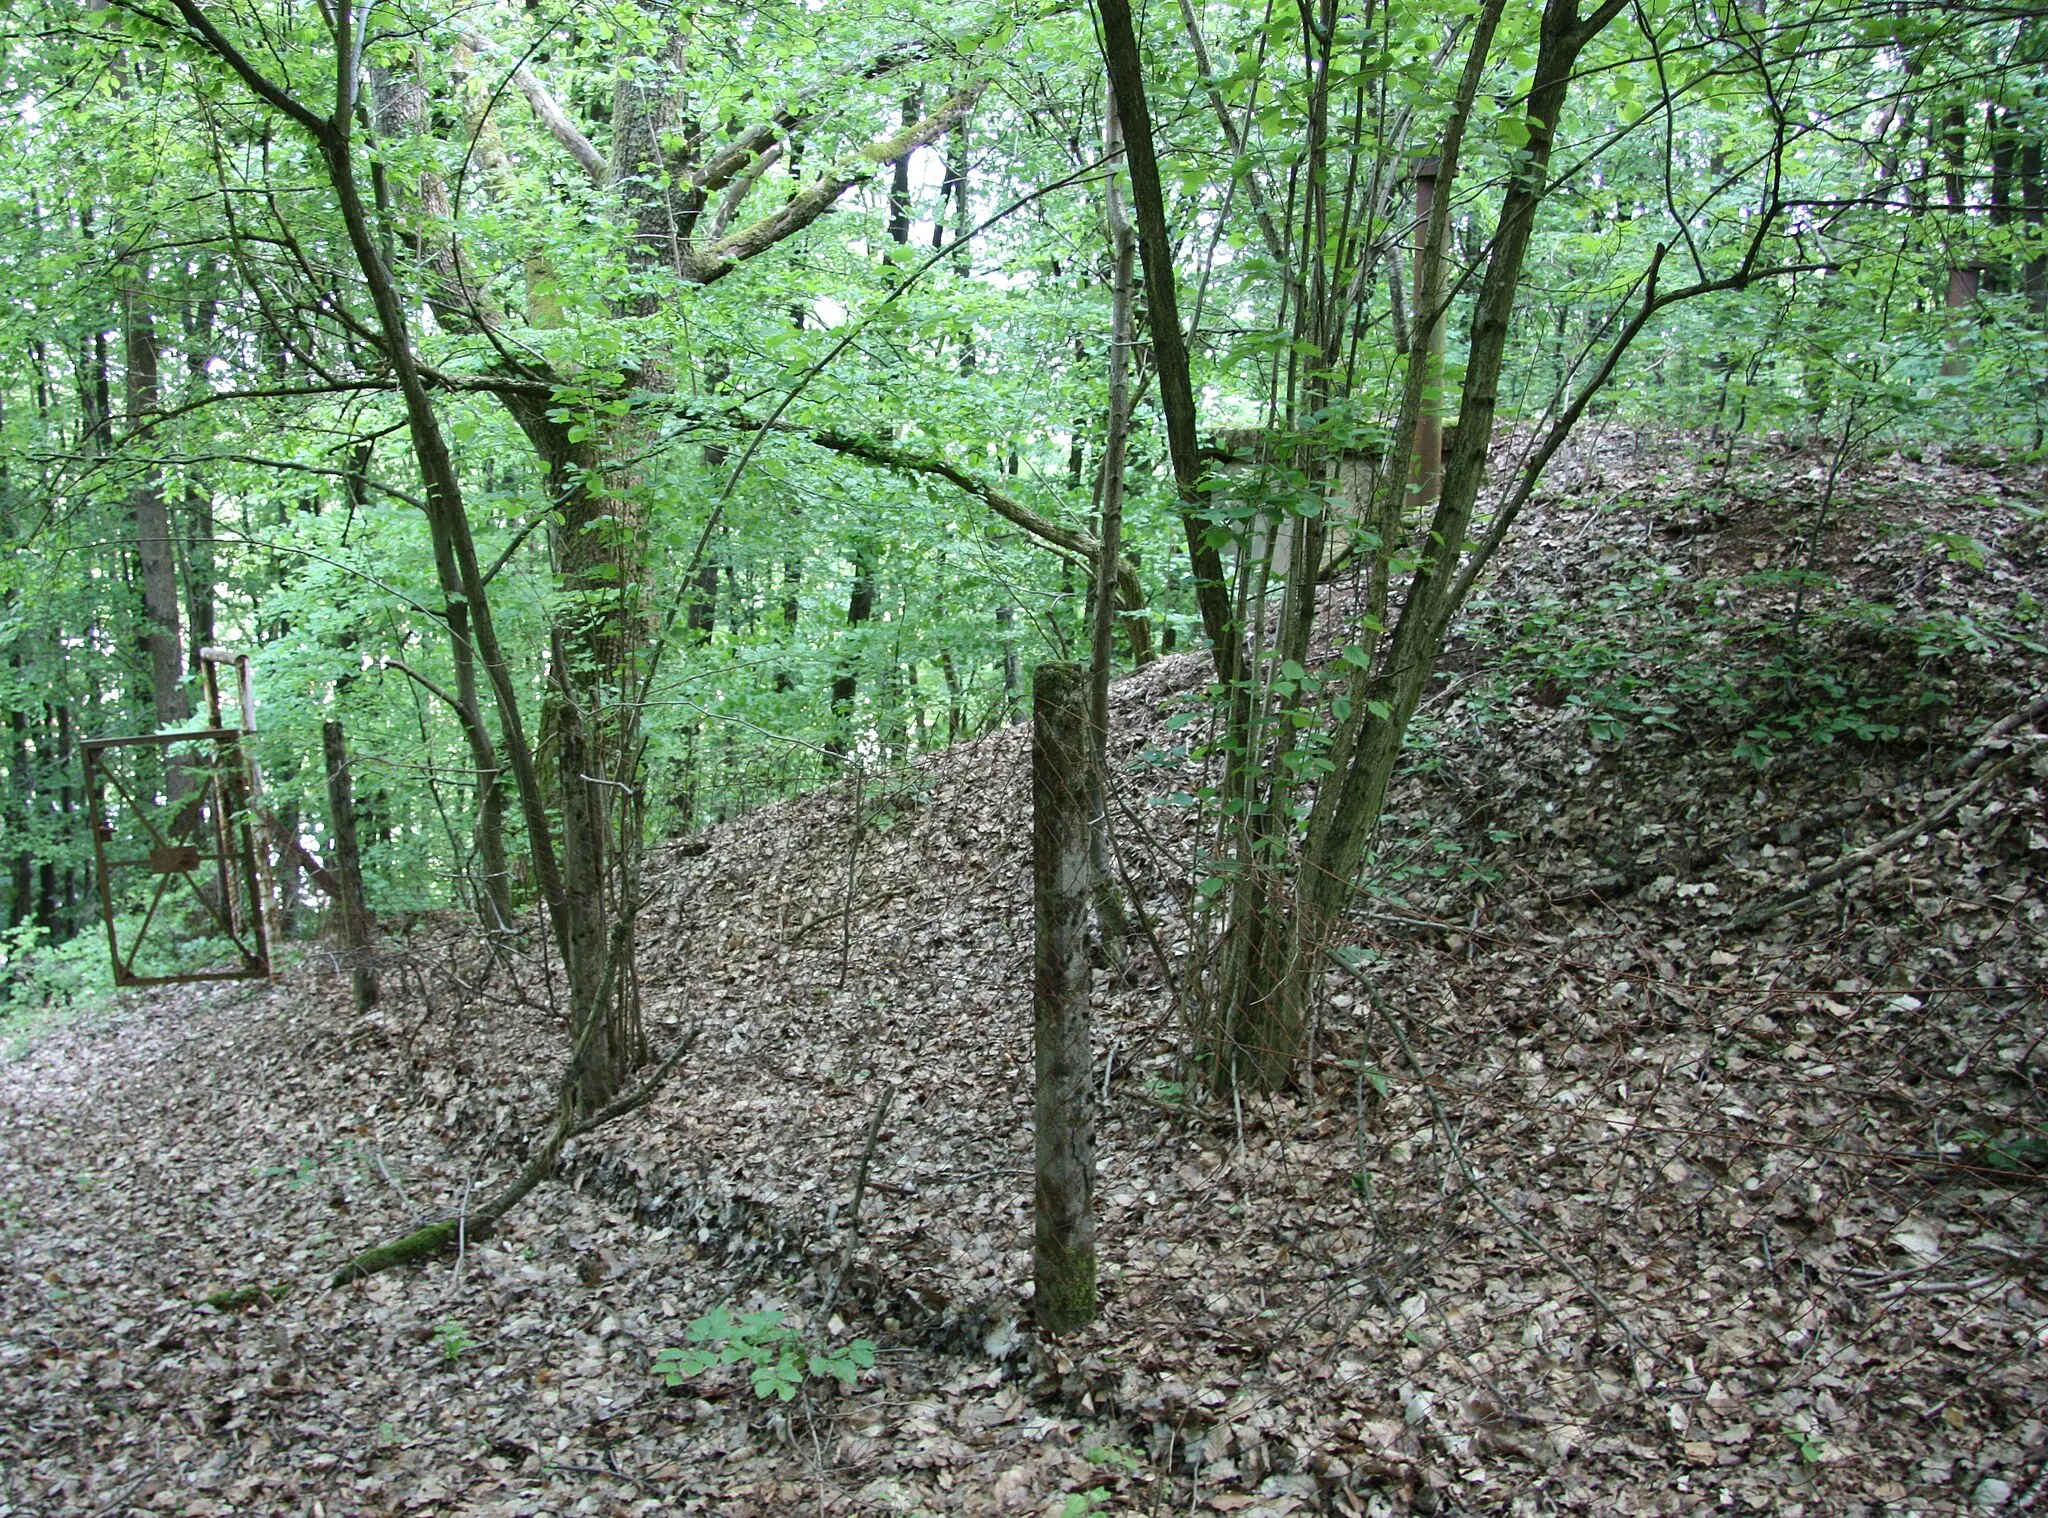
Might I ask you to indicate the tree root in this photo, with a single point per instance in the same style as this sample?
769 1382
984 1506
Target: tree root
235 1298
420 1244
434 1238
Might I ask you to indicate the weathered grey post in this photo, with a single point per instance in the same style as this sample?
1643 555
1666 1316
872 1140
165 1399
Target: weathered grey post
1061 877
347 864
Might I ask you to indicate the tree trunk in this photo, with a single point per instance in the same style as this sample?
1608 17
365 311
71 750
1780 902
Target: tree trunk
2001 128
1384 698
1111 921
700 620
401 110
792 608
860 609
956 697
21 808
346 863
954 193
67 807
1961 295
2034 208
1064 1106
199 576
155 551
1169 345
1006 635
1271 997
899 182
1429 427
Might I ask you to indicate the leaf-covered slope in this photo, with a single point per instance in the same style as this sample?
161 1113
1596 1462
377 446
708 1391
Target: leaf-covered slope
1656 1209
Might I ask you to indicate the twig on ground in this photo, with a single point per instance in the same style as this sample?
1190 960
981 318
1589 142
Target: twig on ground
462 1227
377 1156
817 1452
1849 863
1983 748
425 1242
860 1187
1937 1288
548 1467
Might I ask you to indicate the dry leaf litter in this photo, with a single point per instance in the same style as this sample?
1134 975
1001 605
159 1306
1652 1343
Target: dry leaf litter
1661 1217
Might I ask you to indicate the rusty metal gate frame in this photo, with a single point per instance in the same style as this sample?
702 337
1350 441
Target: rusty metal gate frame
226 798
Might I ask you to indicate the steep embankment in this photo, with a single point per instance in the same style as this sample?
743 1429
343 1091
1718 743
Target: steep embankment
1659 1215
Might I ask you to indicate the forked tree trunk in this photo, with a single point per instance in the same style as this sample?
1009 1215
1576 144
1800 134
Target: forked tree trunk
1254 1039
1384 697
1277 945
1063 1210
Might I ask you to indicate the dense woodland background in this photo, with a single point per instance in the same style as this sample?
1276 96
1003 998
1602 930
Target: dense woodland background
1566 927
204 443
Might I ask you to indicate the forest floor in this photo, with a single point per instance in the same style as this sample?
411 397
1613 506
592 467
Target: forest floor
1663 1214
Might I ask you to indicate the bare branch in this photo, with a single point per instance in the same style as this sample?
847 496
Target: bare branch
741 188
547 109
720 258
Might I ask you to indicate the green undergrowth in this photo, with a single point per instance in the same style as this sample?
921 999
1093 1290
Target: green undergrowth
1652 649
45 985
777 1356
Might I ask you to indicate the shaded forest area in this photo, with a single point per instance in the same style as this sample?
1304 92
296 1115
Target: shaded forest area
1504 977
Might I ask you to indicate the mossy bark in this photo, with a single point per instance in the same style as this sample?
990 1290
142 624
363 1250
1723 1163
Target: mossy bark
420 1244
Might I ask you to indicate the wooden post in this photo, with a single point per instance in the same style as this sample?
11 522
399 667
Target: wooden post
347 864
1061 874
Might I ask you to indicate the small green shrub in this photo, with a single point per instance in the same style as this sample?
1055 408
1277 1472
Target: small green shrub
777 1356
1113 1457
2020 1151
1812 1448
451 1337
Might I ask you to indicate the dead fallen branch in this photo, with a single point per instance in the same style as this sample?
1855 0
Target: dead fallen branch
1812 884
860 1186
1996 734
